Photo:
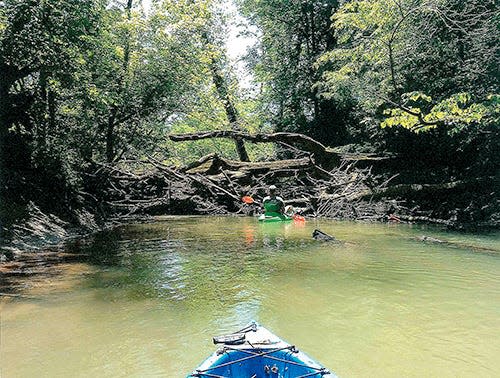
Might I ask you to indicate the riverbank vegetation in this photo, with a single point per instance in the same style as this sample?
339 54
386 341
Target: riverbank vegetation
363 109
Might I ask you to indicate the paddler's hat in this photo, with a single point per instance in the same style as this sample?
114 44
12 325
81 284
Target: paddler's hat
272 188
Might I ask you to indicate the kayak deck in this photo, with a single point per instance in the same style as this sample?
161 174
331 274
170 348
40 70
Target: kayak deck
274 218
255 352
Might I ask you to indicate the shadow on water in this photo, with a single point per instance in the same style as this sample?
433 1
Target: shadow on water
101 249
32 268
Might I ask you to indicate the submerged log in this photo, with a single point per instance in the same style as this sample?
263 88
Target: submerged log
323 236
476 248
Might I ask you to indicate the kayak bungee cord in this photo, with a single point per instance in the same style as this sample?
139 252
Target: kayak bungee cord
322 371
244 359
207 375
292 349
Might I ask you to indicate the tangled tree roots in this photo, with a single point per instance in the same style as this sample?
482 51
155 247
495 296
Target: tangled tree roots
214 185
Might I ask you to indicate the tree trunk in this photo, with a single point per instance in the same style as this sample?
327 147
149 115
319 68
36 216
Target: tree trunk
112 119
231 112
110 136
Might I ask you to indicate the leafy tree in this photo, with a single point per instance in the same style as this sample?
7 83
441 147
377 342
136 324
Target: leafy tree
427 72
293 35
142 71
419 59
220 103
39 44
85 82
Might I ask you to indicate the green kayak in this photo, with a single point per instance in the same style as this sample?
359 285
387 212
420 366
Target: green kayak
274 217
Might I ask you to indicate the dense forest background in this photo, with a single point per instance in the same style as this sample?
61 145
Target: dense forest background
102 83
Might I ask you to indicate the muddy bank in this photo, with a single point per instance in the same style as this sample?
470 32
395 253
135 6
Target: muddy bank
39 232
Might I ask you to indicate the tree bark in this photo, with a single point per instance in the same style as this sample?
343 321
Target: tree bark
217 164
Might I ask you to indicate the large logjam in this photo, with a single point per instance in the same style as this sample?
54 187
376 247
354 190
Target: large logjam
313 191
215 185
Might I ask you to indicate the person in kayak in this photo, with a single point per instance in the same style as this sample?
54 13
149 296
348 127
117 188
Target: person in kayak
273 204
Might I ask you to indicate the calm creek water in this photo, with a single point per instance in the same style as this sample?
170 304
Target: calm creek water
148 298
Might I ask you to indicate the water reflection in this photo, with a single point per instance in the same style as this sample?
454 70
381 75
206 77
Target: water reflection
153 294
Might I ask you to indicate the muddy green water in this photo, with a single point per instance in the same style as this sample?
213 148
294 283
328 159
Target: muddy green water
147 300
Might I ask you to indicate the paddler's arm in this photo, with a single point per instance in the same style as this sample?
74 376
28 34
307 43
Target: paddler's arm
282 204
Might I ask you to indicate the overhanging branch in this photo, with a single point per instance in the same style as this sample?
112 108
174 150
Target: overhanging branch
300 141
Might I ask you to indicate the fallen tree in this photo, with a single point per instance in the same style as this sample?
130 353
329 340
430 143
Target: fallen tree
321 153
214 185
213 163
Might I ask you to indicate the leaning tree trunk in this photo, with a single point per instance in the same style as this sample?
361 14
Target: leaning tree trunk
231 112
110 137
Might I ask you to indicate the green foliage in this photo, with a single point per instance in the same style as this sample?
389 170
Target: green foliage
360 64
129 72
408 52
38 35
86 82
91 82
294 34
207 113
457 111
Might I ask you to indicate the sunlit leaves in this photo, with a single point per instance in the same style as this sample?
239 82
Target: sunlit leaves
293 34
392 51
371 47
415 97
399 117
458 111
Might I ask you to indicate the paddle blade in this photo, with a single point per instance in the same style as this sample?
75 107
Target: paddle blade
247 199
298 218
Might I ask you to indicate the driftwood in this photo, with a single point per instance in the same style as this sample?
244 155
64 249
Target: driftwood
212 163
215 185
